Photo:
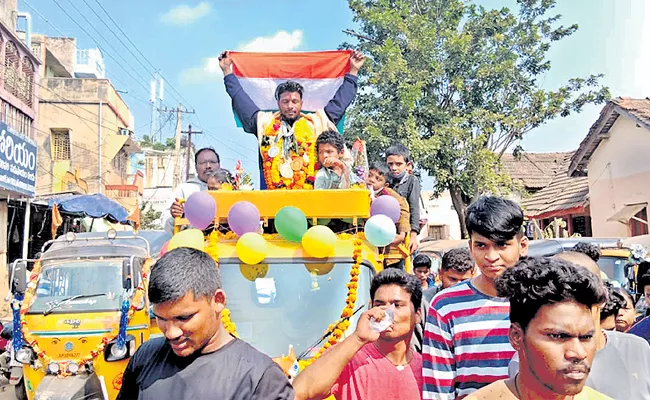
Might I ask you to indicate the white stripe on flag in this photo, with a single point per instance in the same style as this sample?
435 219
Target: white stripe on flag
317 92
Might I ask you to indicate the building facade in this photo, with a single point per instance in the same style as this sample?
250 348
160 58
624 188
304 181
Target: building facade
614 157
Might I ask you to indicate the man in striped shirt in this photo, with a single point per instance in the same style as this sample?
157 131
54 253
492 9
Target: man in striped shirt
466 342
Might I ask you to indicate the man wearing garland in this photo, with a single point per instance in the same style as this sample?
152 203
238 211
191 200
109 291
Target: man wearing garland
287 138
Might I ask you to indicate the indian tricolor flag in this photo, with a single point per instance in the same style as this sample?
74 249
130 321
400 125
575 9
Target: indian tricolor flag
320 73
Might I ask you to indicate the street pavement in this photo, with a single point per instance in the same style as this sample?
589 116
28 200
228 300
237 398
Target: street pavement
6 390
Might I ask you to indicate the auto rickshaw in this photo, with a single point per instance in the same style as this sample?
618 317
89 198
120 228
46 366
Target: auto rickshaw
84 312
291 305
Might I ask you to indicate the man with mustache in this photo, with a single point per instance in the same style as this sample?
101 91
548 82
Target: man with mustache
552 305
197 358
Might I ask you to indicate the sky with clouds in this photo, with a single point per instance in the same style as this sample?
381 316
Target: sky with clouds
183 39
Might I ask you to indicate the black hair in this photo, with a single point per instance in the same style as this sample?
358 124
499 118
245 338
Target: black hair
222 175
398 149
588 249
395 276
459 259
196 155
539 281
615 301
495 218
422 260
626 295
381 168
288 87
182 271
332 138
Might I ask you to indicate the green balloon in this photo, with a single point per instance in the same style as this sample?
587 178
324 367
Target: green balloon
291 223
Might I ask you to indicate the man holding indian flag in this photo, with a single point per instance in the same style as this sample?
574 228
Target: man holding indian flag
267 98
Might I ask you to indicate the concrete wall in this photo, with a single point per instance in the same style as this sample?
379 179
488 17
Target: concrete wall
618 173
8 9
441 212
64 50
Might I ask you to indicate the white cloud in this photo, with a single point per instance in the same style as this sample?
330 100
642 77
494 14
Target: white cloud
186 15
282 41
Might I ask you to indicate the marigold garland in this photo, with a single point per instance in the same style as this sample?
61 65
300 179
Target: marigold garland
30 339
303 156
213 251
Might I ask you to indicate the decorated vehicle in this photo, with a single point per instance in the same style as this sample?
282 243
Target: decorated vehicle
83 312
295 292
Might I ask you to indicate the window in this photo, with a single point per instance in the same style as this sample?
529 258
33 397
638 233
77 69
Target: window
60 144
26 90
637 227
16 119
11 68
119 163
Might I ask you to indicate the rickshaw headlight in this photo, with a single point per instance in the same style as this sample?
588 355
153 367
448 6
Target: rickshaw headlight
25 355
115 353
118 352
73 368
53 368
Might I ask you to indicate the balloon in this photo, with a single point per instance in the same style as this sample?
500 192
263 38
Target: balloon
252 272
200 209
319 269
386 205
192 238
251 248
380 230
319 241
244 217
291 223
165 248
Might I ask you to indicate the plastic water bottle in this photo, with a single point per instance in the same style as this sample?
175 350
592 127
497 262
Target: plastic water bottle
380 326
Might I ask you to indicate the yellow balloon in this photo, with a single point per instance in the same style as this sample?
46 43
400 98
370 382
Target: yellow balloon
252 272
319 241
192 238
252 248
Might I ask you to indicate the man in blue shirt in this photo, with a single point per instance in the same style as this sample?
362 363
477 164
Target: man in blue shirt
289 96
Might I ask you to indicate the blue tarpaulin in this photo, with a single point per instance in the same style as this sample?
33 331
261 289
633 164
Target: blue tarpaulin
94 206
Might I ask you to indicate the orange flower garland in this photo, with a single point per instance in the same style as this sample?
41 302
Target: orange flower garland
213 251
138 296
302 159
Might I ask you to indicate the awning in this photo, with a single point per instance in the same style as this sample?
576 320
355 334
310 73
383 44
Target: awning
114 143
627 212
94 206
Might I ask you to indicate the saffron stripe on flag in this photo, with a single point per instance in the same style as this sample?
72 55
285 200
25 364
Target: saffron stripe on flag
297 65
317 92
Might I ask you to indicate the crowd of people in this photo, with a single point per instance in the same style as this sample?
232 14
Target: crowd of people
499 325
495 324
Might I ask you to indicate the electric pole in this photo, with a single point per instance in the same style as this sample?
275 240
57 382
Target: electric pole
189 132
177 148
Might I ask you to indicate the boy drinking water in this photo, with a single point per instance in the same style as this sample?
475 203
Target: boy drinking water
377 180
398 158
334 173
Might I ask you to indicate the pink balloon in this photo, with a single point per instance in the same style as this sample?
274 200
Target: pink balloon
386 205
200 210
244 217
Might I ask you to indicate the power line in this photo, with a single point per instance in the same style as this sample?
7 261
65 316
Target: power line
74 44
100 47
143 56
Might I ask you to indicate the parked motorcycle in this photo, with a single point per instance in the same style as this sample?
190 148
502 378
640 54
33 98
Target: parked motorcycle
10 368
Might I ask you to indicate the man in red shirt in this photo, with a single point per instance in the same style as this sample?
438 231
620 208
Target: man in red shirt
369 364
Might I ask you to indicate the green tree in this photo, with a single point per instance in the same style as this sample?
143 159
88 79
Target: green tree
149 218
460 85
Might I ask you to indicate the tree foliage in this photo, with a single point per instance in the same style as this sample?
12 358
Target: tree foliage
149 218
460 85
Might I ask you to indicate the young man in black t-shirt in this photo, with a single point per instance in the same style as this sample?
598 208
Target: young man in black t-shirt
196 358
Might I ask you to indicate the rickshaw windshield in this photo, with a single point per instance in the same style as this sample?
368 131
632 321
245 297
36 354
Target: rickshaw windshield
98 283
614 267
275 305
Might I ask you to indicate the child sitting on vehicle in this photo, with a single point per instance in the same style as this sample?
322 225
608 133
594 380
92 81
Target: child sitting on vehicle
216 179
377 181
334 172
